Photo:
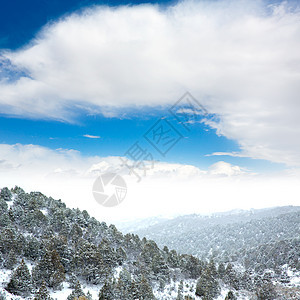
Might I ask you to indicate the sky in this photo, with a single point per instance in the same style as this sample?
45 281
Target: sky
83 82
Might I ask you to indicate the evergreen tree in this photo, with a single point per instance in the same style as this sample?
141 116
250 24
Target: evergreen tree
11 260
134 290
72 281
212 268
120 255
266 290
145 290
106 292
20 282
42 293
221 270
3 206
230 277
180 291
5 194
50 270
207 286
77 292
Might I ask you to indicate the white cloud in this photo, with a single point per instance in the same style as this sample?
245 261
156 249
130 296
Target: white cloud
239 58
91 136
223 168
168 188
232 154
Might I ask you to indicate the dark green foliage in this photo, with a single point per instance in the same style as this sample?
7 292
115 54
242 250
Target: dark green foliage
265 290
76 293
106 292
207 285
180 291
191 266
42 293
230 277
5 194
20 282
11 260
3 206
50 270
120 255
32 248
145 289
8 240
221 270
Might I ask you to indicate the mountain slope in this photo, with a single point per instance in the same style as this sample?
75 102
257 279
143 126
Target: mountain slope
222 234
50 251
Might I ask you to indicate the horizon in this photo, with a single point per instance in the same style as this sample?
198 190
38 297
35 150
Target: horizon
177 107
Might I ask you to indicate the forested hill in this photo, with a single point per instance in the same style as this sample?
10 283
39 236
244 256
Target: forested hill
49 251
223 234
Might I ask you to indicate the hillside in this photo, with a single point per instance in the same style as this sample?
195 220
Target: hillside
49 251
222 234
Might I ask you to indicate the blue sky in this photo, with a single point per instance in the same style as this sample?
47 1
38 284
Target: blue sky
113 137
21 20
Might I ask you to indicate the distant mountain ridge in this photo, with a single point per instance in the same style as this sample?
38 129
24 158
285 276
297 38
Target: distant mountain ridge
203 235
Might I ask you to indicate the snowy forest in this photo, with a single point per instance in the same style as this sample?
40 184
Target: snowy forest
49 251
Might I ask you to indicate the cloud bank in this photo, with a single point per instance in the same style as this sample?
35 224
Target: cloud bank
171 189
240 59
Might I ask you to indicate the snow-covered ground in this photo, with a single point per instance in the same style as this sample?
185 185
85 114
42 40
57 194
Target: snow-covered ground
171 290
4 279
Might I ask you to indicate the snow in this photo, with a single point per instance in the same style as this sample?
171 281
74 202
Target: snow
11 202
44 211
294 277
66 291
62 294
117 272
4 279
170 291
93 289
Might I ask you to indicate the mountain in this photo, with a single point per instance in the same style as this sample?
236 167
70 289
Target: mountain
223 234
49 251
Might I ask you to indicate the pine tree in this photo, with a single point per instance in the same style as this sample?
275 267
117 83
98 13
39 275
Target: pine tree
212 268
134 290
5 194
3 206
20 282
72 281
50 270
77 292
180 291
230 277
145 290
207 286
43 293
265 290
221 270
106 292
11 260
121 256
